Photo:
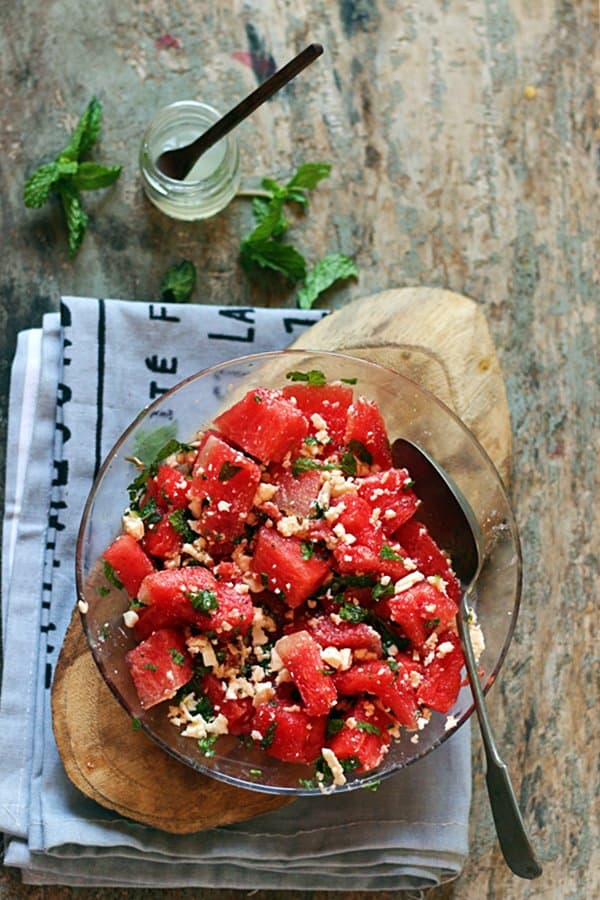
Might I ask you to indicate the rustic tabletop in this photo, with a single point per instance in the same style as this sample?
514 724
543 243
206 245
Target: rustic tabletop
462 143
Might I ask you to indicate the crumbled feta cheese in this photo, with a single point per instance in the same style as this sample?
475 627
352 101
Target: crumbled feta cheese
200 644
438 582
264 493
263 693
444 649
130 618
83 606
476 635
318 421
414 739
133 525
289 526
408 581
334 764
334 512
451 722
339 659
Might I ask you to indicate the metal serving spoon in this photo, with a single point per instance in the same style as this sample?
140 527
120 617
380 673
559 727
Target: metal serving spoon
179 162
452 522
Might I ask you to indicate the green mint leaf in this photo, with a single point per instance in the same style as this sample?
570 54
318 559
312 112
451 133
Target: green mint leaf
177 657
386 552
260 210
149 512
360 451
348 380
309 175
383 591
430 624
323 274
86 132
39 184
111 575
307 550
150 667
298 196
348 463
368 728
306 464
269 184
351 612
178 282
314 377
206 744
269 223
90 176
228 470
334 726
269 254
268 736
180 524
147 444
77 219
204 601
136 724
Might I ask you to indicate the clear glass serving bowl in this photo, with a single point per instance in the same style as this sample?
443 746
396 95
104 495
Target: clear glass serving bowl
410 412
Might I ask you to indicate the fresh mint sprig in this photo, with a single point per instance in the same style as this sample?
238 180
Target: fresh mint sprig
70 174
264 246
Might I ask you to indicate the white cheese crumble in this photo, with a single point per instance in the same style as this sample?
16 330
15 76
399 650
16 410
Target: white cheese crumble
264 493
334 764
83 606
289 526
339 659
476 635
130 618
444 649
133 525
451 721
223 505
403 584
199 643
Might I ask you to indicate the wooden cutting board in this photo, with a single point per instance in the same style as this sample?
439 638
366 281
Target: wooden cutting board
437 338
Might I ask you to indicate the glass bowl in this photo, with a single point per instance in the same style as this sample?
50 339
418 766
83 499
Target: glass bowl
409 412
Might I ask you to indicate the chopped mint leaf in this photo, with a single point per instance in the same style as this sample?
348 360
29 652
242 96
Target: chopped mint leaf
179 522
314 377
348 380
178 282
90 176
268 736
270 254
309 175
334 726
204 601
177 657
207 744
228 471
150 666
136 724
386 552
147 444
351 612
111 575
307 550
368 728
328 270
360 451
430 624
383 591
348 464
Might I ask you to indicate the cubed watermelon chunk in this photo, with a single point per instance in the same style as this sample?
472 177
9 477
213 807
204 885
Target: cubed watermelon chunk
289 733
430 560
129 562
296 494
193 596
301 655
159 666
366 433
390 684
161 539
222 491
389 492
364 736
418 611
328 402
239 712
264 424
169 488
280 560
442 675
356 636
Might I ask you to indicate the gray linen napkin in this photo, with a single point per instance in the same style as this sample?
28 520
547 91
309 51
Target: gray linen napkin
110 358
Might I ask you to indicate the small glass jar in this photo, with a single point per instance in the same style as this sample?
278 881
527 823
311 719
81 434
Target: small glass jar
214 179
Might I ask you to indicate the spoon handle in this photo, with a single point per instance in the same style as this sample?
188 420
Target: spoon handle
255 99
510 828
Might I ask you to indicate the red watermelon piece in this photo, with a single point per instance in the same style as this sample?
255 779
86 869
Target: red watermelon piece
159 666
289 733
279 559
301 655
130 563
264 424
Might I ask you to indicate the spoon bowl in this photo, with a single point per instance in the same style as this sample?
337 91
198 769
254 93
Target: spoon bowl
453 525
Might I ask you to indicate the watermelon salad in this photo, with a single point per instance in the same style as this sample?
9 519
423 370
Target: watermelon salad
282 589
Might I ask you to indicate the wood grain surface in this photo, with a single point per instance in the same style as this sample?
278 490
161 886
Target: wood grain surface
437 338
464 142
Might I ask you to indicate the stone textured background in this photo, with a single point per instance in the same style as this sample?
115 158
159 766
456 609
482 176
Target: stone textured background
464 149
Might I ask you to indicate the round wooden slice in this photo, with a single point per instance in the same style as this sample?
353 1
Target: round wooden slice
436 338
